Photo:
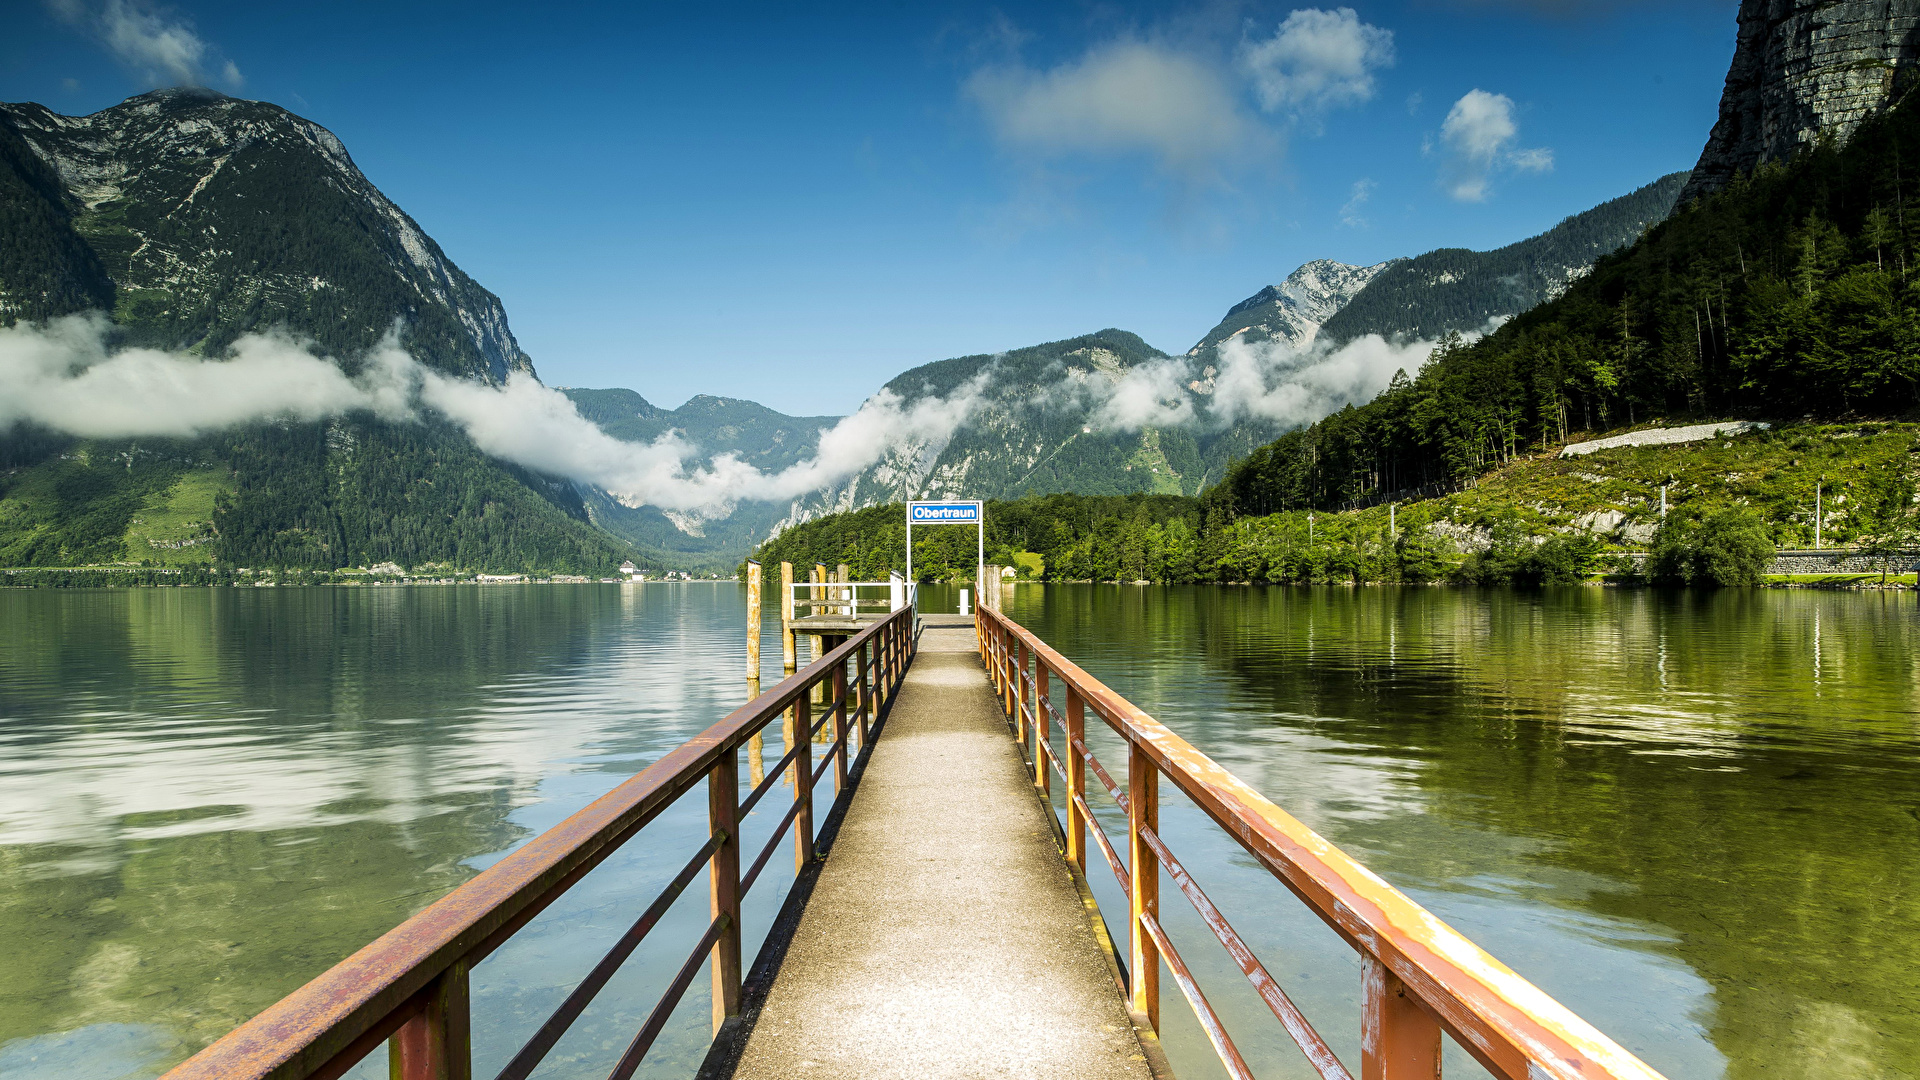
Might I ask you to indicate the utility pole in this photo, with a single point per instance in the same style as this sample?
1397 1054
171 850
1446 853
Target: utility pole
1392 532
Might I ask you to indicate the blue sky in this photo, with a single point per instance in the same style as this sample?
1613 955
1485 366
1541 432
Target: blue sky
793 204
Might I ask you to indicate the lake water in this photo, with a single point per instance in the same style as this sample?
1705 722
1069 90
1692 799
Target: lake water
1692 818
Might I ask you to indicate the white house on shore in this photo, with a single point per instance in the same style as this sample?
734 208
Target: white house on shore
631 572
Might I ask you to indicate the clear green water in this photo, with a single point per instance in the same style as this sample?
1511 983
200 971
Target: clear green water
1694 819
208 796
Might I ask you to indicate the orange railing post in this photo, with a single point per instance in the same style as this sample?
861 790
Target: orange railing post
840 726
437 1043
1042 729
1143 880
1076 779
865 710
803 783
723 879
1020 692
1399 1040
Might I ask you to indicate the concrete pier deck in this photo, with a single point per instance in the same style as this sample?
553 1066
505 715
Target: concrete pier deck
945 936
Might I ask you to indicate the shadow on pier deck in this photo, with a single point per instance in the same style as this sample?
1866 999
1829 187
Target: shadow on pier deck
943 934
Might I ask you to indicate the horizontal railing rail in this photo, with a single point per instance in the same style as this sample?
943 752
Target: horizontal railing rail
844 597
1420 977
410 988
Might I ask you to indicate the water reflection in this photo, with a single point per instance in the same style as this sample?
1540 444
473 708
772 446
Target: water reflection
1694 818
208 796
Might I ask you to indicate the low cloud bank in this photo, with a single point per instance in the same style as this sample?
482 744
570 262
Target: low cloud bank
66 376
1270 380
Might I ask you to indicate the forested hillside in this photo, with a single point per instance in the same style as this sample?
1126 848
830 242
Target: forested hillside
1455 289
193 218
351 492
1794 291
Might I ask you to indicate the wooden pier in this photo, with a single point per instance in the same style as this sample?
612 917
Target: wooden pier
945 937
940 926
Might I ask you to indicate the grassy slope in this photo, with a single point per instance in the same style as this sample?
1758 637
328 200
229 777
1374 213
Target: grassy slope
1860 465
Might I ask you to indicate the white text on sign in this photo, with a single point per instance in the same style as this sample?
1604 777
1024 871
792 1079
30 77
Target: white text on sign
943 513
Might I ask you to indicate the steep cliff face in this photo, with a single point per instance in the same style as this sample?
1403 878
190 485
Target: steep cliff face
1803 69
197 217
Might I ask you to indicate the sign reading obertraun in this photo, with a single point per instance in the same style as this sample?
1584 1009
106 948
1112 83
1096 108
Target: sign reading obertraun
943 513
949 512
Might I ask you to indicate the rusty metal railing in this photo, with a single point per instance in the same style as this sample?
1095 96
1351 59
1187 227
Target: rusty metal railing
1419 977
410 987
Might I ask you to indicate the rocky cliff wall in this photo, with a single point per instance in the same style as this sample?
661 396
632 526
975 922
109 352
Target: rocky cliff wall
1802 69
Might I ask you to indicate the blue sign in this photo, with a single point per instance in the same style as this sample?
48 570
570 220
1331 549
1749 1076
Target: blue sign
943 513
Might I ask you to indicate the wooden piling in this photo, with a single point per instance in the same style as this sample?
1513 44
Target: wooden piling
756 746
788 650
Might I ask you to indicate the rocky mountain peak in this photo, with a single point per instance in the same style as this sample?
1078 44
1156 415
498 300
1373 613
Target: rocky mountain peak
1804 69
215 215
1294 310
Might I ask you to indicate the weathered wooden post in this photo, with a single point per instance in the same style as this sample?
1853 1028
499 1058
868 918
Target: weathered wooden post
846 594
1399 1040
1143 866
788 651
756 745
815 595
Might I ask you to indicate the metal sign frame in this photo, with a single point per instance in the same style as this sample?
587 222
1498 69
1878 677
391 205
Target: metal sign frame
979 521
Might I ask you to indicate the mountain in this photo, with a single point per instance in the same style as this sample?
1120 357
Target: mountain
194 218
1453 289
1046 418
1804 70
212 216
767 440
1788 293
1294 310
1049 417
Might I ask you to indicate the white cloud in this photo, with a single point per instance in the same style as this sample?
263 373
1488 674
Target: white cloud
1124 97
163 47
1148 395
1350 210
1269 380
1318 60
1477 137
65 376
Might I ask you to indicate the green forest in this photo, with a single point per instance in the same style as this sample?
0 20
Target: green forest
350 492
1793 292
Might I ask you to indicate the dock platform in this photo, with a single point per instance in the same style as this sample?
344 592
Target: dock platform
945 936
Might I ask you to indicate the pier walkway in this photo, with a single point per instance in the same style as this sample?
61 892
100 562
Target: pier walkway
945 936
